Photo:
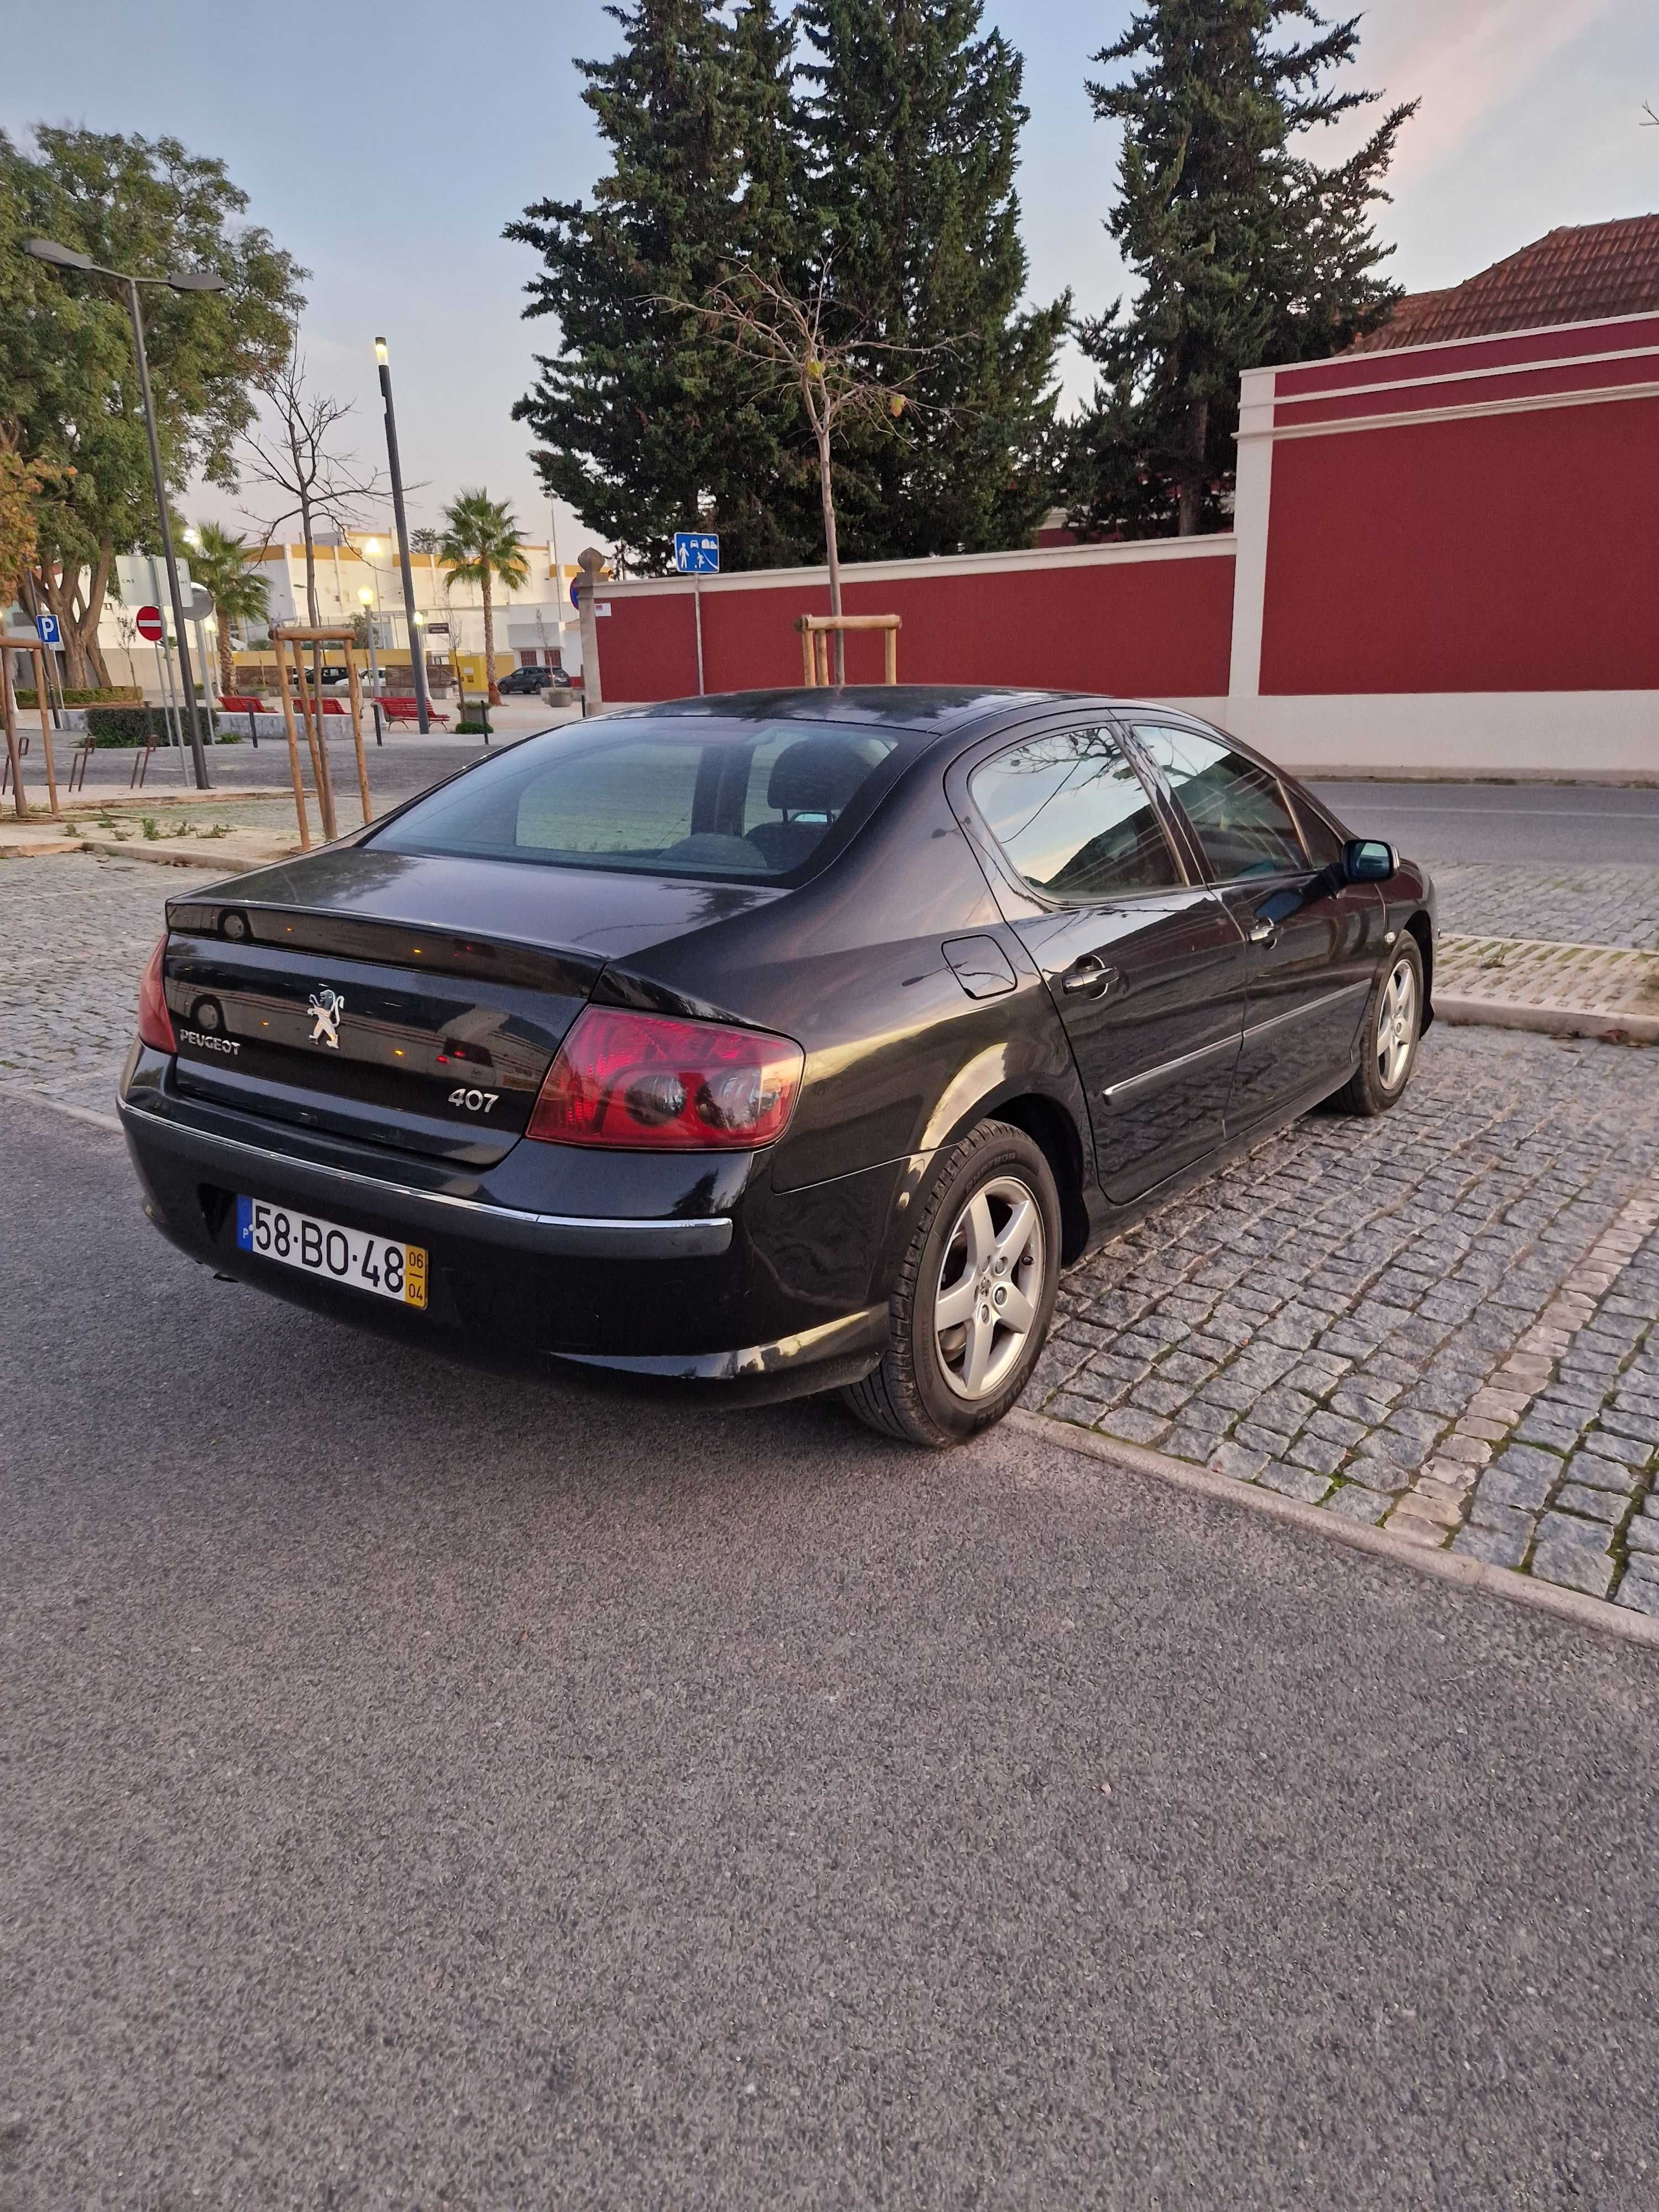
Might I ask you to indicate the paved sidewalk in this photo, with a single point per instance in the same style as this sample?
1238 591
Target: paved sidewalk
77 932
1567 990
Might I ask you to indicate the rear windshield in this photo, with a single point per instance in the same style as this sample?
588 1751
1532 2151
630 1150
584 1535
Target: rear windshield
680 796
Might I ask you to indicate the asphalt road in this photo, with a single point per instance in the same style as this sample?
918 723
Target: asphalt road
422 1788
1552 823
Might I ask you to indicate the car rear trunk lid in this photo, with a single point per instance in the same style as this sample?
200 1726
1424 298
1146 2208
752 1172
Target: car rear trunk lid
426 1041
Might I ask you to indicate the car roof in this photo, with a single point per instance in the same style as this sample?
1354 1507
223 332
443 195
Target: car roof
929 709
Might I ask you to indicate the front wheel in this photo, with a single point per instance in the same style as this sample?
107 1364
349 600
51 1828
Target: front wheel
1394 1023
975 1294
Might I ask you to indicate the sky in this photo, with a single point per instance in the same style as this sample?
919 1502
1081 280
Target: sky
385 149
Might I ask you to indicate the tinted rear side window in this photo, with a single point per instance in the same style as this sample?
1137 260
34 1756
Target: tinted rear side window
1073 817
755 801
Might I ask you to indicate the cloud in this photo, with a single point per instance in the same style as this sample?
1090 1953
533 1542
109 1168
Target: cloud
1466 59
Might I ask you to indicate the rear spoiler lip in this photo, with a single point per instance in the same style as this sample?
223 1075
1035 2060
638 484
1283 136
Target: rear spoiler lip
567 969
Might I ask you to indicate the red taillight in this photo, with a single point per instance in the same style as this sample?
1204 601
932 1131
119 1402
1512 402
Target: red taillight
649 1082
155 1022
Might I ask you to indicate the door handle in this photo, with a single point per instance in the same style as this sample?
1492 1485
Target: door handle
1263 932
1090 974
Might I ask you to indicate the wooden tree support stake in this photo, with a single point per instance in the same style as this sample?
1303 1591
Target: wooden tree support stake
817 630
287 640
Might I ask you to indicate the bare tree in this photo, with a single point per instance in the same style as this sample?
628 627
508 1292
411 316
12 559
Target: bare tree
294 451
840 380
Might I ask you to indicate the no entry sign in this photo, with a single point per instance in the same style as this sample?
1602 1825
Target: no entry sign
149 620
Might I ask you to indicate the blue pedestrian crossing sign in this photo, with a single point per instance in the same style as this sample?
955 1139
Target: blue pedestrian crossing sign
46 629
697 553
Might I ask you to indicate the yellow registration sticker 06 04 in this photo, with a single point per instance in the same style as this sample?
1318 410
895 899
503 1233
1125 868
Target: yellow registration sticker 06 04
383 1267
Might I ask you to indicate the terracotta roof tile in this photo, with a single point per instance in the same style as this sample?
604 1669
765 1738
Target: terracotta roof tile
1575 275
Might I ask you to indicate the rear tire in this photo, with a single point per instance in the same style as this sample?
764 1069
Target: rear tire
974 1295
1388 1039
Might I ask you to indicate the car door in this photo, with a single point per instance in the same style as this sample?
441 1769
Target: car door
1314 940
1146 967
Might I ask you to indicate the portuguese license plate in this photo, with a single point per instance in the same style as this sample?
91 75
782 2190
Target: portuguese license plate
380 1265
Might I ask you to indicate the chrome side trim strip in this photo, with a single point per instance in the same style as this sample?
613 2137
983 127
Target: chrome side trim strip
660 1235
1301 1014
1148 1076
1167 1067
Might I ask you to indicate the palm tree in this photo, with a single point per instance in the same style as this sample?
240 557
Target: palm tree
480 544
218 559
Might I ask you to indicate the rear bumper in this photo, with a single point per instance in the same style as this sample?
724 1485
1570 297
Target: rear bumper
740 1291
423 1215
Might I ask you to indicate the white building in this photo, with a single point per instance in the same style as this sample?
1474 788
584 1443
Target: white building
358 573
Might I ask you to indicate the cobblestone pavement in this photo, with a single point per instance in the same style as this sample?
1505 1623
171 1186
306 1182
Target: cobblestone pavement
1442 1320
1567 905
75 932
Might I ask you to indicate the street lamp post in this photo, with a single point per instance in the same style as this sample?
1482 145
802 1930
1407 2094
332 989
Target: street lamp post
178 280
416 658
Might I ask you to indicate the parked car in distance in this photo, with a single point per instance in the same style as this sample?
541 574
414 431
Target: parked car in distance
519 681
771 1043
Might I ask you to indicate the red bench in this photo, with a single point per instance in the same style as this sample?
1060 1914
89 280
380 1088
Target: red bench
236 703
408 710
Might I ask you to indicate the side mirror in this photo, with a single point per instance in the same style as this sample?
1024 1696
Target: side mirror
1368 860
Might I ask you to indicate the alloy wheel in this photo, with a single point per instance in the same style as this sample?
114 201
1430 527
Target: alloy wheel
990 1287
1397 1025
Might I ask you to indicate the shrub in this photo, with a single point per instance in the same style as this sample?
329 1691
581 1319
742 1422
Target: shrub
469 727
133 725
113 695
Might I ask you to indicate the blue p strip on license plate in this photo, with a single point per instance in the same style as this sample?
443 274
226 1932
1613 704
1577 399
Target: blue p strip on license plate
380 1265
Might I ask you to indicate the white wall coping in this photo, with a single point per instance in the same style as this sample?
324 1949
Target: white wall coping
1117 552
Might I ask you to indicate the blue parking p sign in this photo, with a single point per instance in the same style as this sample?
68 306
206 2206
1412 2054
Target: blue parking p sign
697 553
47 628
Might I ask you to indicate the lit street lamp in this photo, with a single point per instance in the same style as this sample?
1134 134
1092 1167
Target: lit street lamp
177 280
418 660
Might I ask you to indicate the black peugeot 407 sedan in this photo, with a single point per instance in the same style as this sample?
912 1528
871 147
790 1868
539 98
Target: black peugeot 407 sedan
779 1042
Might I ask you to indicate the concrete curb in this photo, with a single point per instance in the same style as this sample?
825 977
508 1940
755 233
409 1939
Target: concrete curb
1614 779
1424 1559
37 849
1547 1021
217 857
93 1119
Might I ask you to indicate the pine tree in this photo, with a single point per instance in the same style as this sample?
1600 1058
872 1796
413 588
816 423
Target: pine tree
645 425
913 122
1247 251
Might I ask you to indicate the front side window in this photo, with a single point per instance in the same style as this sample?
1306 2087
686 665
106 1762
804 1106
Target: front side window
678 796
1073 817
1241 817
1324 846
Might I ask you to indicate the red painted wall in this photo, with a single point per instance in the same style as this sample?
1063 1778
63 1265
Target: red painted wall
1500 553
1546 382
1158 628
